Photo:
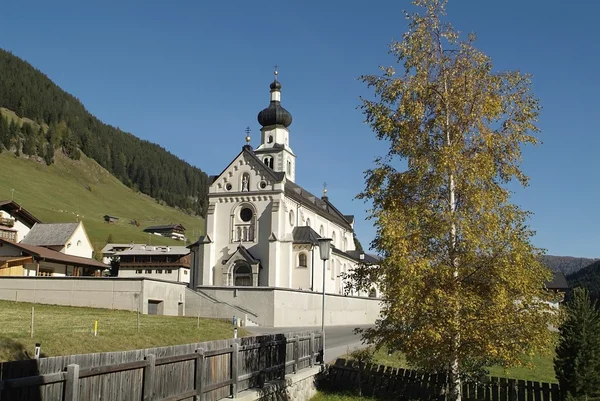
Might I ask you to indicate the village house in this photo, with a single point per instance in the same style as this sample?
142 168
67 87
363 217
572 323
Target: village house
170 263
67 238
15 222
175 231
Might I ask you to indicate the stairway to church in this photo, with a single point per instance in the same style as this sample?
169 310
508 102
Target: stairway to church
198 303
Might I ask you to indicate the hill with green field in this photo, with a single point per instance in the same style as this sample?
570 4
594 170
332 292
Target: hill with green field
39 118
68 190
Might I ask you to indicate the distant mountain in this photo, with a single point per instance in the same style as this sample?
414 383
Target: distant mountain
566 264
588 277
51 119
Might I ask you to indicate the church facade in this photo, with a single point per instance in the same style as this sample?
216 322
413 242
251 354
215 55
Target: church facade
262 227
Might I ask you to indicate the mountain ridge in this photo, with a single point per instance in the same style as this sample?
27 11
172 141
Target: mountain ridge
63 122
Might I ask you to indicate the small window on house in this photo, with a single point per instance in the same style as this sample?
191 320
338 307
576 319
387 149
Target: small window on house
246 214
185 272
292 218
302 260
228 186
270 140
79 243
321 230
333 239
148 271
169 271
262 185
345 245
307 222
158 271
289 167
69 245
138 272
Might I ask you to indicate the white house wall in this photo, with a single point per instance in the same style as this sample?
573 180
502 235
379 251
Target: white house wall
22 229
79 244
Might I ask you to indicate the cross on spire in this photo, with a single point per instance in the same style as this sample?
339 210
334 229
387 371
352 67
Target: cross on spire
247 135
324 189
275 72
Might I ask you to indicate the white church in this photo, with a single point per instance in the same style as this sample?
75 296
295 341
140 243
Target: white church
262 228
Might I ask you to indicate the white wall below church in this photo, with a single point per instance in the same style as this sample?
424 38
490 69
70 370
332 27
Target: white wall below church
278 307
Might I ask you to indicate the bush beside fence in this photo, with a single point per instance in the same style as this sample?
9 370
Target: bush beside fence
405 384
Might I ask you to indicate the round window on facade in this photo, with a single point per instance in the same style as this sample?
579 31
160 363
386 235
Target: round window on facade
228 186
246 214
262 185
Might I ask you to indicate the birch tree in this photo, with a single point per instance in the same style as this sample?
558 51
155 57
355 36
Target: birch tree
461 281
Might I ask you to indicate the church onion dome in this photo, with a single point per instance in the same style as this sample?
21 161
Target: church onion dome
275 114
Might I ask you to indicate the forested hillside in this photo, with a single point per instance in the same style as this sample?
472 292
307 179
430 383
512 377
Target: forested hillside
588 277
566 264
59 120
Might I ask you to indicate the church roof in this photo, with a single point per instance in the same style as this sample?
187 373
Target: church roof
278 176
305 235
245 253
320 206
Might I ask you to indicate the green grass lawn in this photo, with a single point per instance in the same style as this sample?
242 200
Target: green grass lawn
64 330
542 367
60 192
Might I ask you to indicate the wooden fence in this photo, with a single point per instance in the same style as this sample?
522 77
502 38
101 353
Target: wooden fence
205 371
406 384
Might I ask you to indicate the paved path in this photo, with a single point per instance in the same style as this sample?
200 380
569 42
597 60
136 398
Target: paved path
339 340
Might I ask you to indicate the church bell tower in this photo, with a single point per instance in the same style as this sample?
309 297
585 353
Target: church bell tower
274 149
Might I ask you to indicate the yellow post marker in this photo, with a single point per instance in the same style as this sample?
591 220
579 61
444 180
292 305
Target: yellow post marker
95 328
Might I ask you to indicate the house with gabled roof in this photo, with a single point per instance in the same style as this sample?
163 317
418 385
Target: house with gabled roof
15 221
67 238
175 231
18 259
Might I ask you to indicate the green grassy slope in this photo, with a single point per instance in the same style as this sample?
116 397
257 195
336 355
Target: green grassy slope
64 330
67 188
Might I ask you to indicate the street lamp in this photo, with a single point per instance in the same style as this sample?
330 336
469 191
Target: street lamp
324 251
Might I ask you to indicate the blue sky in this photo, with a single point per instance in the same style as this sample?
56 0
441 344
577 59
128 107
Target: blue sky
191 75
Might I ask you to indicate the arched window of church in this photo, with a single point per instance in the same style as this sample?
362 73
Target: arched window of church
245 182
242 275
333 268
333 239
244 224
289 167
307 222
268 160
321 231
302 260
292 218
345 245
270 140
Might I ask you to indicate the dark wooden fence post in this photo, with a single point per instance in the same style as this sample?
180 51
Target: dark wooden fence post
198 373
296 353
149 372
234 369
72 383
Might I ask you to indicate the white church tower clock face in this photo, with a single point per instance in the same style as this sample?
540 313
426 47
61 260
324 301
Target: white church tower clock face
274 149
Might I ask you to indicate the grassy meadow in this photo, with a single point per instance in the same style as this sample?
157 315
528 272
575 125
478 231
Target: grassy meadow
70 188
65 330
541 367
